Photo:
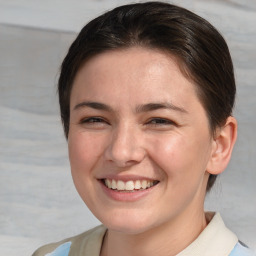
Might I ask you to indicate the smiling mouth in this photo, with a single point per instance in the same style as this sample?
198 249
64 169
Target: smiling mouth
130 185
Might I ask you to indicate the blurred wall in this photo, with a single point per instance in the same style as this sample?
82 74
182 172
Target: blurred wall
38 202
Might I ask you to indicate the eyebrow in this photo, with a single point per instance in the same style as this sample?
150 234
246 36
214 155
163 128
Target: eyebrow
94 105
139 109
162 105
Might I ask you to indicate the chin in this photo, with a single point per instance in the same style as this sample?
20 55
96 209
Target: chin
128 229
127 223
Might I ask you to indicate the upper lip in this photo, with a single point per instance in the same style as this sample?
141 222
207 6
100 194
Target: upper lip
127 177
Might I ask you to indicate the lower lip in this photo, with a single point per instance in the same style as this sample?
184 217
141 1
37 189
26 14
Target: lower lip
126 196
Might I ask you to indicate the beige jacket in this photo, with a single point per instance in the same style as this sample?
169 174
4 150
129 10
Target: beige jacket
215 240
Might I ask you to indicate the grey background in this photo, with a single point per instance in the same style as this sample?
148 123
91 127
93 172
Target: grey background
38 202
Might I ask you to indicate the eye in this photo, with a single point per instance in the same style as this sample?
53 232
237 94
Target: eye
160 122
93 120
96 122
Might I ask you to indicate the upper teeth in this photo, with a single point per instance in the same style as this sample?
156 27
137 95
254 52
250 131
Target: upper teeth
128 185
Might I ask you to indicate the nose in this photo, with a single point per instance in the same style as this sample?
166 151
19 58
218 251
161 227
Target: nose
125 146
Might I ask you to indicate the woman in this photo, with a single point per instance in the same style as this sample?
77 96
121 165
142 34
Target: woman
146 93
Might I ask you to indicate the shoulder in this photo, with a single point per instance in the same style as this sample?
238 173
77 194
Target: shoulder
90 240
241 249
55 249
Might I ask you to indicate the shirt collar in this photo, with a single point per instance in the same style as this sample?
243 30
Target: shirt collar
215 239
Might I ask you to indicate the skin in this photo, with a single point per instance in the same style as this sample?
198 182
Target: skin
122 137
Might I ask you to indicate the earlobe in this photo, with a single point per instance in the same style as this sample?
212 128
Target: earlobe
223 144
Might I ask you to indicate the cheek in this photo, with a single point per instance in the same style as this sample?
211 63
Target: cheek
181 156
168 153
84 150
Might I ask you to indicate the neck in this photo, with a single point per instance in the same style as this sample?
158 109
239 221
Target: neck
166 240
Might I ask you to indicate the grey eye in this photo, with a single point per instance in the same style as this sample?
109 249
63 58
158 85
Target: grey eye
160 121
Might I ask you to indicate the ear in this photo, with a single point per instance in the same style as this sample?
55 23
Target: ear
223 144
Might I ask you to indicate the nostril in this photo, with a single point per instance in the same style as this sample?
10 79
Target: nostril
125 154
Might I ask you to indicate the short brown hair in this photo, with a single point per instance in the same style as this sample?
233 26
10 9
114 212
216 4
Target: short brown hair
202 53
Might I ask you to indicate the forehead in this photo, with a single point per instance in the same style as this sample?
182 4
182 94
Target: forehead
136 56
144 74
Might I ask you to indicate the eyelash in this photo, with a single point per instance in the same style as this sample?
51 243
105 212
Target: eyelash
152 122
93 120
160 121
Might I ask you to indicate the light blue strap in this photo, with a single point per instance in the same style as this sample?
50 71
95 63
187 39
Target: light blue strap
240 250
61 250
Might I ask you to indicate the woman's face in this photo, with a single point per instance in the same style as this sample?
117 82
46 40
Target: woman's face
139 140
